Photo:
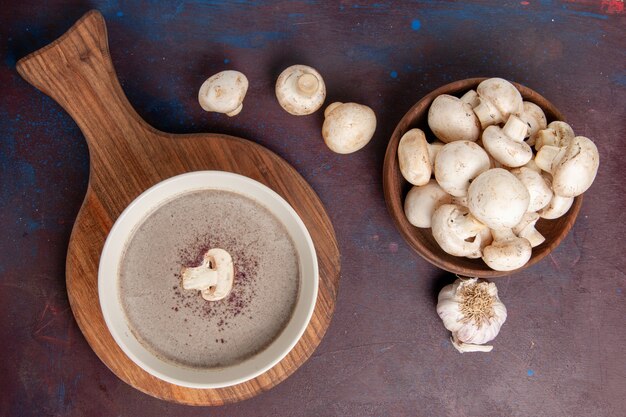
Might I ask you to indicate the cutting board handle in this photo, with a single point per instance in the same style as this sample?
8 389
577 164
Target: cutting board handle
77 72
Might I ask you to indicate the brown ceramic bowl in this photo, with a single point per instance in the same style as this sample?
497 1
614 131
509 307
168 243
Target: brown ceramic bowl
421 240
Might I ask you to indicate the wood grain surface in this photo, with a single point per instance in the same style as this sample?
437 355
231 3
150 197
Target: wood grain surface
421 239
127 156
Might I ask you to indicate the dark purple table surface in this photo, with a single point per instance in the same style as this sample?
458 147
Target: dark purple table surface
562 350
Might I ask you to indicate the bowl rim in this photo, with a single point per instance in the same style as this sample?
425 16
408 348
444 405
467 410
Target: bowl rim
137 211
393 182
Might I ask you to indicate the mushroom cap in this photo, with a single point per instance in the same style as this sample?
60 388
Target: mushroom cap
457 163
576 168
348 127
539 191
414 157
534 117
451 119
498 100
223 263
498 199
506 144
452 228
526 229
300 90
508 253
224 92
558 134
557 207
422 201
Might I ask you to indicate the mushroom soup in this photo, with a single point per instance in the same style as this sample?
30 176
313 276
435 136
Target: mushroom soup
182 327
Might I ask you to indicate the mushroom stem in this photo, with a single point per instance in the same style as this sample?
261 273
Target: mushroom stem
199 278
308 84
546 157
515 128
487 113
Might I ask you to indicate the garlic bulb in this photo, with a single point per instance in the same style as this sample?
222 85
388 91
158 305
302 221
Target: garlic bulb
472 311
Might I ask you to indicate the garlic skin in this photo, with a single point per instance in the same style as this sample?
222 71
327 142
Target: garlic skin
472 311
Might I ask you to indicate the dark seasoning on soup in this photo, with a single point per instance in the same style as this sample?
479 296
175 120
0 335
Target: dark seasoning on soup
179 325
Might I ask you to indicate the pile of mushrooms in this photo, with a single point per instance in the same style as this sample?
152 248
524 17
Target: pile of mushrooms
489 187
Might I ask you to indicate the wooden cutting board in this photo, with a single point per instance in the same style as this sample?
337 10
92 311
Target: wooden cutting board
127 156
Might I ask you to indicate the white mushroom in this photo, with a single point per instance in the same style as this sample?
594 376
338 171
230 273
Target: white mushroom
507 144
416 156
498 100
451 119
507 252
300 90
421 202
213 277
536 120
526 229
558 134
539 191
224 92
558 207
573 168
471 98
457 163
498 199
457 231
485 233
348 127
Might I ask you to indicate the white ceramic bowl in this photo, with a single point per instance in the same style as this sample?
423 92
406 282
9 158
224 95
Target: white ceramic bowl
135 213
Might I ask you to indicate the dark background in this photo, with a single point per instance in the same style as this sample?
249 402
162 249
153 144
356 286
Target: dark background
561 352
